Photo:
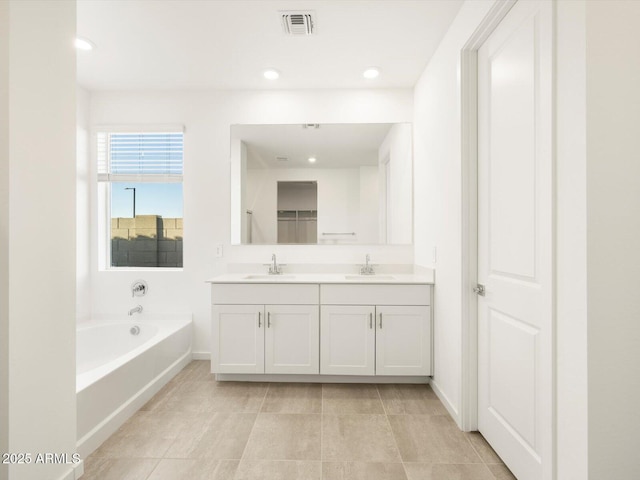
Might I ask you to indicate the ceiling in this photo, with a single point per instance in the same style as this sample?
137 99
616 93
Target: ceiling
333 145
226 44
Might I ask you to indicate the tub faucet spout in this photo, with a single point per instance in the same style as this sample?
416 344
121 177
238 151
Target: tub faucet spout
137 309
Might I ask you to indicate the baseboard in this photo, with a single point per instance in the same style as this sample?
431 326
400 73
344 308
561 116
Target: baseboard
248 377
447 403
76 471
201 355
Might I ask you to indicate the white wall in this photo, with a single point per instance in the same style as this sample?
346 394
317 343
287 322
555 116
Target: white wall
437 196
397 147
369 216
297 196
42 215
4 234
571 244
613 237
207 117
83 210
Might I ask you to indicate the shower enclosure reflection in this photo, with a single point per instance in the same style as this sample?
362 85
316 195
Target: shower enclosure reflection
321 184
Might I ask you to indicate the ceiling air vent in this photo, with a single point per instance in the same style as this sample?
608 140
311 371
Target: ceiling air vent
297 23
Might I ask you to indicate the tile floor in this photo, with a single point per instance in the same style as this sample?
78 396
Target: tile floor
196 428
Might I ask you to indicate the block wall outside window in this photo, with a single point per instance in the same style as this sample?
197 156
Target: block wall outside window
146 241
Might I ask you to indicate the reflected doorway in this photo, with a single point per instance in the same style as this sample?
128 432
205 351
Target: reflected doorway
297 212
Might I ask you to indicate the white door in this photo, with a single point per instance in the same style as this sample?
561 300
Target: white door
347 340
515 258
292 339
237 339
403 340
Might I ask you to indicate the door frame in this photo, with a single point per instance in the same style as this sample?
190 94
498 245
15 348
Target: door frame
469 178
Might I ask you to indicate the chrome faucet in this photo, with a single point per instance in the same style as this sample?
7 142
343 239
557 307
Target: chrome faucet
367 268
137 309
274 268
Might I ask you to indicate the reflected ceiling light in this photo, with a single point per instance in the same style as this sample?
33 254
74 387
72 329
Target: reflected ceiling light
271 74
371 72
312 159
84 44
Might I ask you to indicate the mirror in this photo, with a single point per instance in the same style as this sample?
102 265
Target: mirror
321 184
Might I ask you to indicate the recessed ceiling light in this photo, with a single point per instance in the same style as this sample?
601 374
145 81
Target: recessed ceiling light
271 74
371 72
312 159
84 44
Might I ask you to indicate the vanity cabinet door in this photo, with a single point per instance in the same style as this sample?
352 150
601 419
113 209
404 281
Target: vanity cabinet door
237 339
292 337
403 340
347 340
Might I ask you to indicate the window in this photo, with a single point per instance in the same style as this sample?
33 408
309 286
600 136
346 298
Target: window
140 185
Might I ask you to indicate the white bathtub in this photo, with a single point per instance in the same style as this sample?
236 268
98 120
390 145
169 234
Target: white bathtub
118 372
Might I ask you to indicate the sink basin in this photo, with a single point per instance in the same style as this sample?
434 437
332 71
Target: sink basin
370 278
269 277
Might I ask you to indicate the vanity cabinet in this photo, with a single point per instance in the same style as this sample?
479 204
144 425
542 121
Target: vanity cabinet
291 339
237 339
348 340
391 336
250 335
329 329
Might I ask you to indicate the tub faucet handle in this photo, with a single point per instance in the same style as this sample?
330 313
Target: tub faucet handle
139 288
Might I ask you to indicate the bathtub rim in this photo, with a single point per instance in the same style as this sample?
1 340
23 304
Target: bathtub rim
167 324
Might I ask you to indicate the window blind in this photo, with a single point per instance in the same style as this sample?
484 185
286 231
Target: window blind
126 156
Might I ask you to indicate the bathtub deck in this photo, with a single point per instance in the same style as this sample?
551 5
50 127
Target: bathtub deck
197 428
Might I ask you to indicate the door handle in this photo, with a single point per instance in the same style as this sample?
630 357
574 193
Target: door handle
259 322
268 319
479 289
380 320
371 320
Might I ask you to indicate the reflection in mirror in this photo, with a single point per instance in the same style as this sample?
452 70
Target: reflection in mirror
297 212
321 184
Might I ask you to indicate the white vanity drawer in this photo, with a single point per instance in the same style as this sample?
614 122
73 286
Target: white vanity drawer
264 294
375 294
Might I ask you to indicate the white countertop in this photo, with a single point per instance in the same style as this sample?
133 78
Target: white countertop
378 279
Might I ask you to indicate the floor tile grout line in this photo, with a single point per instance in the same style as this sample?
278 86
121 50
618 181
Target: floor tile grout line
468 439
490 472
264 399
153 469
486 466
473 447
395 440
